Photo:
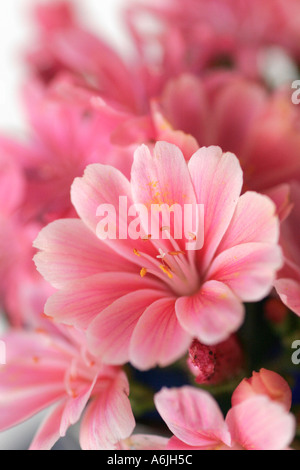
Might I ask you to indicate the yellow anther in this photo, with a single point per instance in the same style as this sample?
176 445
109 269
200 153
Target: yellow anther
166 270
143 272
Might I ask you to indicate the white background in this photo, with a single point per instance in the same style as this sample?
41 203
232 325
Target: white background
17 32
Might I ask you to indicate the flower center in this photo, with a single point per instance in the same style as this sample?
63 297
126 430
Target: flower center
173 266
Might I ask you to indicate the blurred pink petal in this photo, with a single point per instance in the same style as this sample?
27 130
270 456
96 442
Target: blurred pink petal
193 416
259 424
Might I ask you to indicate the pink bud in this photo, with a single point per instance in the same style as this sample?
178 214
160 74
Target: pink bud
215 364
264 382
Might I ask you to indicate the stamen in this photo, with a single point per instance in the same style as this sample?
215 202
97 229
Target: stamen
143 272
166 271
136 252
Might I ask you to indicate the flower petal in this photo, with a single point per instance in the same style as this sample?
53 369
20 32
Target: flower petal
69 251
193 416
217 180
81 301
48 432
289 292
212 314
144 442
108 418
158 338
152 179
103 185
254 220
110 333
260 424
75 407
248 269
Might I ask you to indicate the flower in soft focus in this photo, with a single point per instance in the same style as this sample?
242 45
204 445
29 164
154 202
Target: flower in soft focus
67 134
264 382
195 419
65 45
198 34
144 300
215 364
240 116
54 370
22 292
288 283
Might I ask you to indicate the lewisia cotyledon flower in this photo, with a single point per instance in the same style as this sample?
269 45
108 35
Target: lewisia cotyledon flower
144 300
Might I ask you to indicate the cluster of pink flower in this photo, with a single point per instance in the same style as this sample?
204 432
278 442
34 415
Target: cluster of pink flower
194 123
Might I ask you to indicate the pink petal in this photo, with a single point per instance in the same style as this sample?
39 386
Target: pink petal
75 407
260 424
218 182
10 177
100 184
254 220
165 132
212 314
48 433
69 251
239 103
82 300
27 389
103 184
153 180
176 444
193 416
32 378
185 106
108 419
289 292
158 338
144 442
248 269
86 53
281 197
109 335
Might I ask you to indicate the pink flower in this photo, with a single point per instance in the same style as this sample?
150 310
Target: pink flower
201 34
265 382
65 45
196 421
56 371
239 115
144 300
67 133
